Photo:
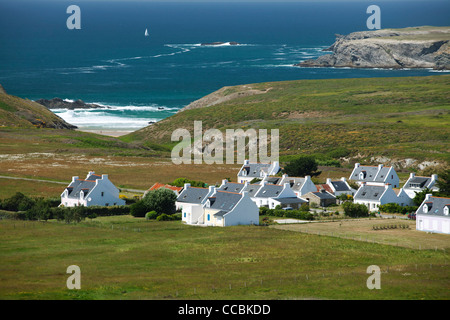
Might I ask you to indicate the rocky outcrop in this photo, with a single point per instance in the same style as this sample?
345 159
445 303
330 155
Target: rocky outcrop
223 95
57 103
232 43
421 47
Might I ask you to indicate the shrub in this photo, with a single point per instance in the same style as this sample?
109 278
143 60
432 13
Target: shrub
163 217
161 200
152 215
355 209
138 209
18 202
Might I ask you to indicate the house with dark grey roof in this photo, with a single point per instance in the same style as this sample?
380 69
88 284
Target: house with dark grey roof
416 184
373 195
94 190
433 215
250 171
339 187
299 185
321 198
378 173
223 209
191 201
267 194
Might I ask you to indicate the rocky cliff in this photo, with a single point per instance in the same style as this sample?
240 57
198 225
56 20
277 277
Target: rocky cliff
418 47
58 103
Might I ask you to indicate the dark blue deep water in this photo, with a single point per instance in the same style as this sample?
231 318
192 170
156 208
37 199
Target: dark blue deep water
109 61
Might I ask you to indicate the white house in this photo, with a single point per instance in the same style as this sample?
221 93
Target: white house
373 195
433 215
267 194
340 187
95 190
250 171
223 209
378 173
416 184
191 201
300 186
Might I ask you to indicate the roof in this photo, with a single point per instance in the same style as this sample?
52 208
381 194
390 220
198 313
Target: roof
418 182
232 187
340 186
369 171
157 186
370 192
323 195
254 169
325 187
269 191
295 182
224 201
252 189
436 207
290 200
74 189
193 195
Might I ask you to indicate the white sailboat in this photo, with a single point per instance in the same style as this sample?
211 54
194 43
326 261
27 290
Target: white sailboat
146 33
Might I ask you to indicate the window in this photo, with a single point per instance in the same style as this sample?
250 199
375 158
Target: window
209 217
106 204
185 214
103 194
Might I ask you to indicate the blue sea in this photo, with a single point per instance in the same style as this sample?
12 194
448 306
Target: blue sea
142 79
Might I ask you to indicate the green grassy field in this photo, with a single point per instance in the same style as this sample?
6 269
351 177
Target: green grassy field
130 258
395 117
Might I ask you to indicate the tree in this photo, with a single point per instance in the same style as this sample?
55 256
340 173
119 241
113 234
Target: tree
181 181
420 196
18 202
161 201
354 210
302 166
443 183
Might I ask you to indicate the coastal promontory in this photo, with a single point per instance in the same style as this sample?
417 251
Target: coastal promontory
416 47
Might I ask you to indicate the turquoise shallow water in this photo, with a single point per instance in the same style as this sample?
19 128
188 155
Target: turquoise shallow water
141 79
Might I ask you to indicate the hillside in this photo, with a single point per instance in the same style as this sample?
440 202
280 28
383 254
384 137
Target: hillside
17 112
401 119
417 47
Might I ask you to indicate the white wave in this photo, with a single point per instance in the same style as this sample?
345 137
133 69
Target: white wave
103 120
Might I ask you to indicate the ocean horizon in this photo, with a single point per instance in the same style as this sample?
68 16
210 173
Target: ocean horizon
141 79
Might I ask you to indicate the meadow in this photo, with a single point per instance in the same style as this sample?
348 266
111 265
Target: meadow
131 258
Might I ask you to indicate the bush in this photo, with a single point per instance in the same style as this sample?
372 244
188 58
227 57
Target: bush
138 209
161 200
355 210
163 217
396 208
18 202
302 166
152 215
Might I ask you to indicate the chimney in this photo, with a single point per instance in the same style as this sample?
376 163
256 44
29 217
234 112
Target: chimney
244 194
380 166
212 189
224 182
328 181
387 185
186 185
412 175
246 183
74 178
428 196
357 165
307 178
104 177
264 183
246 162
284 176
90 173
434 177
